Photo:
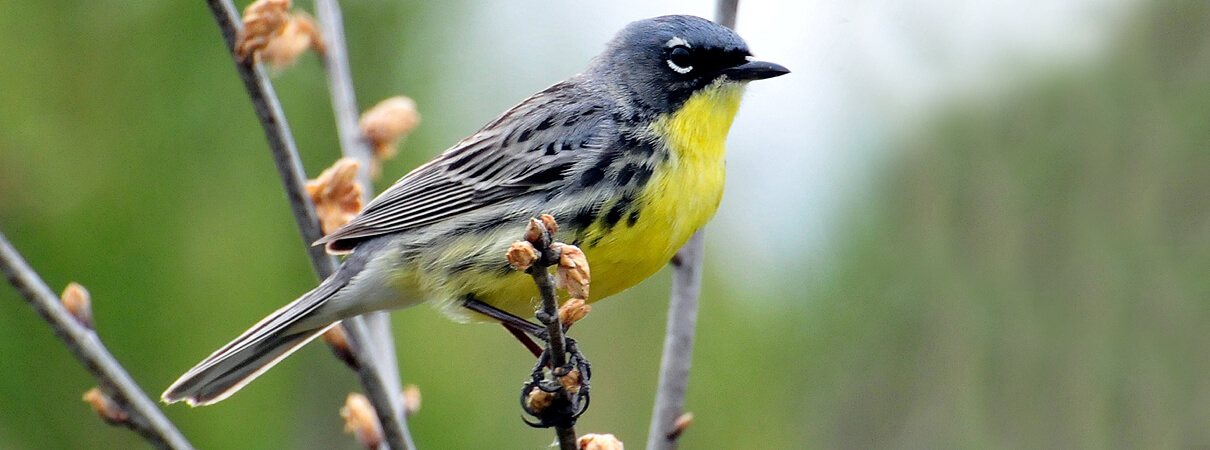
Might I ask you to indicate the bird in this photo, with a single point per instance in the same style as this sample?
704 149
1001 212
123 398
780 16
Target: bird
627 156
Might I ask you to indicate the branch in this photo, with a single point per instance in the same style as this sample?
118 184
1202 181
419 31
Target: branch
377 325
559 397
668 419
145 418
289 166
558 346
678 344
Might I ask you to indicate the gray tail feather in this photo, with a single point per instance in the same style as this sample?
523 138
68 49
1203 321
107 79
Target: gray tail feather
255 351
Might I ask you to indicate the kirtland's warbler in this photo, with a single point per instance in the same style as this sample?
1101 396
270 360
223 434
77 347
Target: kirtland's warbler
627 156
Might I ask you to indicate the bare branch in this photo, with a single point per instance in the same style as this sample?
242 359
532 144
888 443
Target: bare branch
383 396
379 341
724 12
682 318
144 417
556 342
678 344
281 141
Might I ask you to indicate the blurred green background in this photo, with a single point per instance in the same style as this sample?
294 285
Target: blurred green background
1024 270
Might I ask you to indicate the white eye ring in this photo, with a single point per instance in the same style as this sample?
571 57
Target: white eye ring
679 69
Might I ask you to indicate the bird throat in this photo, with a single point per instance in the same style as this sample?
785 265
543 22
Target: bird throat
698 130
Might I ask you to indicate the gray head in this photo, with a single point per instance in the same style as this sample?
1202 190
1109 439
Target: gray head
656 64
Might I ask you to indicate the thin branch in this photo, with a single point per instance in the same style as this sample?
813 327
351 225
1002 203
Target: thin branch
344 106
682 317
281 141
145 418
285 154
678 344
555 341
344 100
724 12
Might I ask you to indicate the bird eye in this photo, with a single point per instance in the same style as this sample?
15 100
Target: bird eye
680 60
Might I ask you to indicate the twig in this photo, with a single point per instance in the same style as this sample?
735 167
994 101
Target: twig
678 344
554 330
561 405
144 417
724 12
682 318
281 141
289 166
352 145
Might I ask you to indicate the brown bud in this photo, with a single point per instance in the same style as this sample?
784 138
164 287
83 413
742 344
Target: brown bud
361 421
105 407
296 36
521 255
549 222
572 311
571 382
386 123
538 400
593 441
680 425
336 194
534 231
573 274
338 341
411 400
263 20
79 303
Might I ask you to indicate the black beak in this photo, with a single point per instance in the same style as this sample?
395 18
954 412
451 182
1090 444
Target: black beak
754 70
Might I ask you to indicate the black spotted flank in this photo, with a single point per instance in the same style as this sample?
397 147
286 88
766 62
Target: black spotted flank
546 123
619 209
525 135
642 147
641 175
583 218
625 173
633 218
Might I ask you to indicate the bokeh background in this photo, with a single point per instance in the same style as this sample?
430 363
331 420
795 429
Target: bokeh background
953 226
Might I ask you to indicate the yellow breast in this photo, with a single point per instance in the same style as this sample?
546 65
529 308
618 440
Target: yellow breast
683 194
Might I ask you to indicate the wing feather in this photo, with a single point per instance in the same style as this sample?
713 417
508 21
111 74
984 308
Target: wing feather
532 147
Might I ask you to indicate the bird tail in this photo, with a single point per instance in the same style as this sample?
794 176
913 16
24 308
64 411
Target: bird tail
256 350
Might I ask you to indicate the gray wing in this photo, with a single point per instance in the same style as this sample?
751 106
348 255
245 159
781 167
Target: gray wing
531 147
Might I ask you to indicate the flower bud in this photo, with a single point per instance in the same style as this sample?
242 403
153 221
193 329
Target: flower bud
79 303
521 255
105 407
572 311
263 20
538 400
573 274
295 37
679 426
411 400
385 124
593 441
336 194
361 421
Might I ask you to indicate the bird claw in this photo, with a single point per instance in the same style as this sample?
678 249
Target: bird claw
558 402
